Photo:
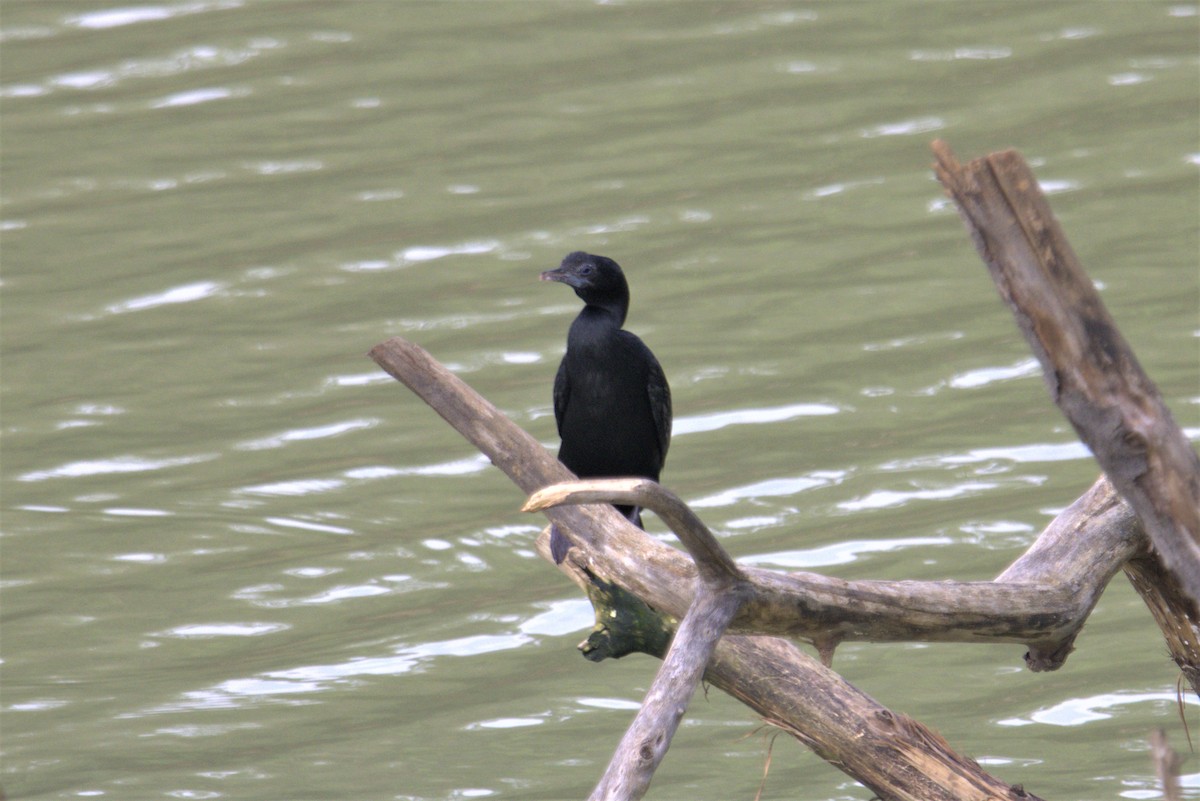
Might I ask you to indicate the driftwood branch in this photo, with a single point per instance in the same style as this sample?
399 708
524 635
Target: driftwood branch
712 562
1092 373
646 741
895 756
719 594
1094 378
1172 609
1041 600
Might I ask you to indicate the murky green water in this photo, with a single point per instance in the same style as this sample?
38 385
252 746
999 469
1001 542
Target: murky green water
240 562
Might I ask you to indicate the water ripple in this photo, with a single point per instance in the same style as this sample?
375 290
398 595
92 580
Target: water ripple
192 97
141 558
359 379
186 293
284 167
560 618
231 694
37 705
191 59
615 704
886 499
129 512
133 15
504 723
1053 186
92 79
210 630
1089 709
306 679
1035 453
1128 78
841 187
304 486
839 553
311 486
459 467
919 125
257 595
418 253
772 488
117 464
988 375
695 424
307 525
26 33
962 53
304 434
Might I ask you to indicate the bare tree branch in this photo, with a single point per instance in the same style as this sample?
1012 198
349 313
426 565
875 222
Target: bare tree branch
718 595
1092 373
895 756
1042 599
712 562
646 741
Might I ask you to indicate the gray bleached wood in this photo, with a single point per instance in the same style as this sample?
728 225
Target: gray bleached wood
1092 373
719 592
895 756
1042 599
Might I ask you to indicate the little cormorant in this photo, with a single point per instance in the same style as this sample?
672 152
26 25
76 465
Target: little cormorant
611 399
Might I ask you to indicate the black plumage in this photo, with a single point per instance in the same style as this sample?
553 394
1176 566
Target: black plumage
612 403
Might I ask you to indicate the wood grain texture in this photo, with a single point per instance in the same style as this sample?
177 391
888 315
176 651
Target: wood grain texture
644 590
1091 371
895 756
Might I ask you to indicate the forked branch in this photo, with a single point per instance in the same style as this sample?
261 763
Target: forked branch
1093 375
895 756
1041 600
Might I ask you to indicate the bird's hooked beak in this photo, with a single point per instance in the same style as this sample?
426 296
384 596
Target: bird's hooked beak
562 276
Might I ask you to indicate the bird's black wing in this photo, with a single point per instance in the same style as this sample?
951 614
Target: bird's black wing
660 405
562 394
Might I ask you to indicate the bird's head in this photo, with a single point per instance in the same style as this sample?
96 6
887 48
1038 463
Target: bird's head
596 279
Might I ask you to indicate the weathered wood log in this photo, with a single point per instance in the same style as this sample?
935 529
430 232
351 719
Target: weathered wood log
719 594
1172 609
1041 603
712 562
1042 599
1092 373
649 736
896 757
1081 546
647 568
625 624
892 754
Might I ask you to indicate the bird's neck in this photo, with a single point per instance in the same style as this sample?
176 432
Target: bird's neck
604 315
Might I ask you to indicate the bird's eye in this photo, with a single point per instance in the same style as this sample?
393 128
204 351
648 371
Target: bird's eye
587 269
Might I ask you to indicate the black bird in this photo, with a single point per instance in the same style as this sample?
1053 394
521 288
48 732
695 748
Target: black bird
611 399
